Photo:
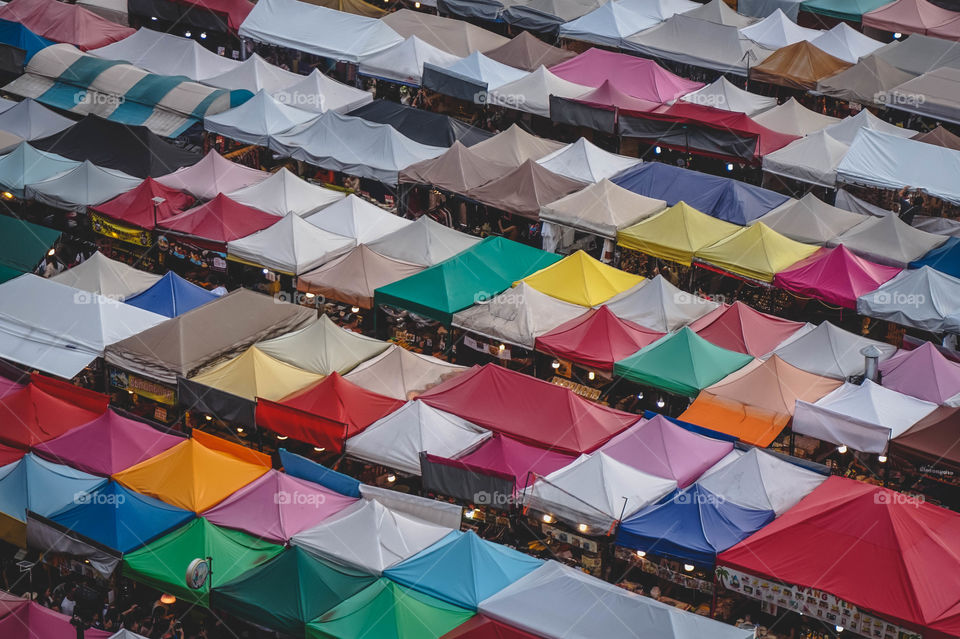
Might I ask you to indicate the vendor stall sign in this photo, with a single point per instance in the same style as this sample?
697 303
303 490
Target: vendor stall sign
501 351
195 254
132 234
144 387
812 603
582 390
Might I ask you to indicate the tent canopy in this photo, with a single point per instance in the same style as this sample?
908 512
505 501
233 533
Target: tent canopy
506 456
659 305
26 165
319 93
864 82
254 121
87 185
283 193
610 23
172 296
64 23
292 245
743 329
354 277
219 221
515 146
586 162
254 374
908 16
846 43
33 620
425 242
211 176
756 252
322 347
17 35
830 351
23 245
528 52
422 126
356 218
596 339
811 220
919 298
457 37
581 279
602 209
30 120
167 54
403 62
469 78
923 373
136 206
793 118
845 10
777 31
725 95
533 92
798 66
836 276
944 259
676 234
254 74
402 374
458 170
932 439
846 130
45 409
888 240
110 278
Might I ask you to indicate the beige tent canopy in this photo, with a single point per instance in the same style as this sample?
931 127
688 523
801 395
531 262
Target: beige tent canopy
528 52
793 118
453 36
602 209
110 278
864 81
515 146
323 347
424 242
458 170
525 189
353 278
402 374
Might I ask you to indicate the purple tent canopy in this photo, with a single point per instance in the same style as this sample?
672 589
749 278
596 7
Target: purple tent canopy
107 445
277 506
660 447
504 455
923 373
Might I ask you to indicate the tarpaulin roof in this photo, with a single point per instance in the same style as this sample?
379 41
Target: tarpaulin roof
923 373
798 66
506 456
425 127
458 37
196 474
354 277
836 276
598 109
254 74
135 150
725 95
517 316
161 563
550 602
846 43
660 447
107 445
283 193
403 62
64 23
318 93
25 165
610 23
659 305
842 9
755 403
303 468
167 54
830 351
811 220
529 52
793 118
746 330
356 218
465 76
638 77
720 12
847 129
22 245
323 347
682 363
359 7
756 252
532 93
402 374
223 328
866 545
318 30
110 278
676 234
932 439
889 240
457 170
31 620
42 487
172 296
945 258
908 16
59 329
292 245
596 339
137 207
86 185
864 417
528 409
581 279
211 176
539 16
19 36
864 82
918 298
463 569
586 162
777 31
277 506
719 197
940 137
514 147
475 274
30 120
480 627
396 441
940 95
289 591
602 208
254 121
370 536
220 220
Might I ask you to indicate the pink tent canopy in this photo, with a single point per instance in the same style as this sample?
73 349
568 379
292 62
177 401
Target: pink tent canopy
923 373
660 447
745 330
597 339
908 16
836 276
212 175
32 621
510 457
638 77
107 445
608 95
277 506
62 22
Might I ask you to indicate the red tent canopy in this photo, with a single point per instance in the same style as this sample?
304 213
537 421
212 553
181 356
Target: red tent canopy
46 408
746 330
220 220
235 10
597 339
507 457
886 552
136 207
325 413
64 22
836 276
9 455
480 627
528 409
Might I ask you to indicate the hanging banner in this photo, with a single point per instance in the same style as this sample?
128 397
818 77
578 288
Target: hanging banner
183 249
132 234
812 603
144 387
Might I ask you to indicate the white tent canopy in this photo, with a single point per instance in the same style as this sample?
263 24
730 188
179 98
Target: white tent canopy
167 54
864 417
586 162
659 305
86 185
318 93
830 351
483 70
318 30
30 120
110 278
59 329
397 440
425 242
402 374
793 118
283 193
889 240
354 217
777 31
812 159
602 209
370 536
255 74
212 175
725 95
919 298
254 121
292 246
720 12
532 92
323 347
404 62
810 220
846 130
551 601
517 316
614 21
846 43
596 490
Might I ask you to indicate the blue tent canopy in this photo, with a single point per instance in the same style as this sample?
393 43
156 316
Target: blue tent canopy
945 258
172 296
725 199
42 487
463 569
693 526
119 518
17 35
303 468
26 165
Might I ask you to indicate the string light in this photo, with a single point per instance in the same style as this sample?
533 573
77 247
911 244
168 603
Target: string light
354 309
661 403
547 519
282 437
842 448
641 554
591 375
882 459
583 528
555 364
688 567
318 449
391 478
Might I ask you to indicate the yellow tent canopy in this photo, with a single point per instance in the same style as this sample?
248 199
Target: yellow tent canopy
676 234
196 474
580 279
757 252
358 7
254 374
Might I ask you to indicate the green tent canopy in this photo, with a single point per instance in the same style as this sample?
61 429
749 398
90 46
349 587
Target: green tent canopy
288 591
851 10
163 564
476 274
682 363
22 246
387 610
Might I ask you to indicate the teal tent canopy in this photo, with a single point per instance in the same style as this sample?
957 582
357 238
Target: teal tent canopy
22 246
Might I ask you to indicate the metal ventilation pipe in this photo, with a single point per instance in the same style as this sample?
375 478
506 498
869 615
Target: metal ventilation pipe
871 355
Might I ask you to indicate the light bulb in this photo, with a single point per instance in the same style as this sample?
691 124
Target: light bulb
7 195
165 598
657 150
641 554
882 459
839 628
555 364
266 271
468 514
640 395
547 519
154 18
897 35
416 5
688 567
203 35
729 166
282 437
583 528
208 417
591 375
502 347
354 309
239 429
661 403
318 449
391 478
842 448
51 252
310 296
187 34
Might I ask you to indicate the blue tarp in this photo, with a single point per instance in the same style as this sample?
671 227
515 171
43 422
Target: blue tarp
17 35
119 518
723 198
945 258
692 526
42 487
463 569
26 165
303 468
172 296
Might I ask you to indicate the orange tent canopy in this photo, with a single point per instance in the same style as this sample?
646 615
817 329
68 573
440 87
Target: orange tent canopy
799 66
